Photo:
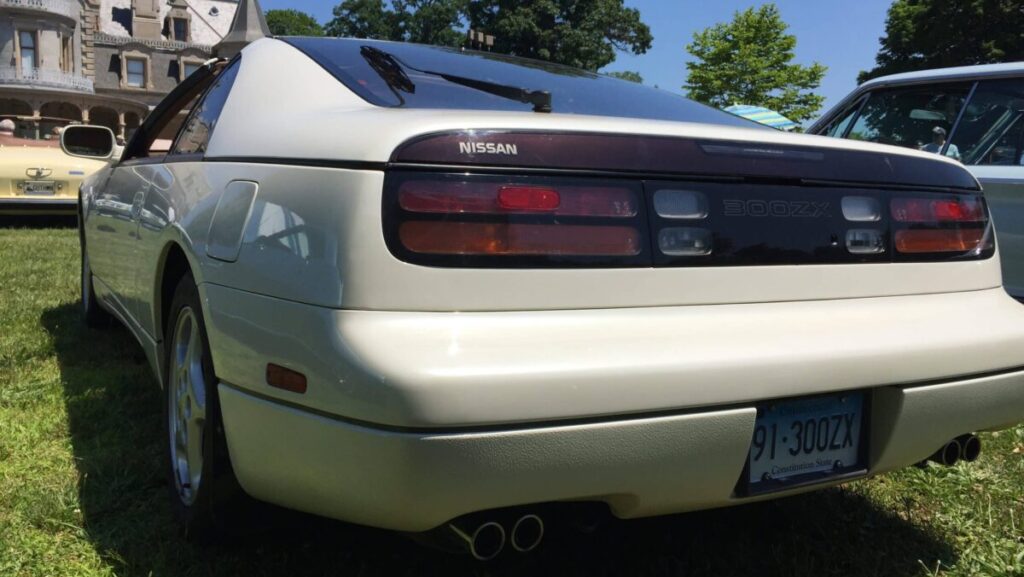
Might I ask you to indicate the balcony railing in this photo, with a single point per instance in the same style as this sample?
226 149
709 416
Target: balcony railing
45 78
69 8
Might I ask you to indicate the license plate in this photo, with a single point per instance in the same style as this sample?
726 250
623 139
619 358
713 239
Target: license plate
39 187
806 441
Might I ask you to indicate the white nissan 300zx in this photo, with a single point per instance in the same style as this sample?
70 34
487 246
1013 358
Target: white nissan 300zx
406 286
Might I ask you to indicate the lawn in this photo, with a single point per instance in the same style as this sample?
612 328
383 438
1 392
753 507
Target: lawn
82 484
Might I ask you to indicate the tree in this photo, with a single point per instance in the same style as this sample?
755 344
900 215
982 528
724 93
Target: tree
423 21
748 61
293 22
921 34
581 33
630 75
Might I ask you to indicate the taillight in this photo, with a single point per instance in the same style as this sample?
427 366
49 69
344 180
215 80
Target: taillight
515 221
924 241
941 225
938 210
504 239
446 196
470 220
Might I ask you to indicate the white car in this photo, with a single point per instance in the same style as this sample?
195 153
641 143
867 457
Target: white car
973 114
416 288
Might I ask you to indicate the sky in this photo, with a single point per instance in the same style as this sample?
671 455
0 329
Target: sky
841 34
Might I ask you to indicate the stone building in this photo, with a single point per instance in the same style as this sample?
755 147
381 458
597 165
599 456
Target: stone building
107 62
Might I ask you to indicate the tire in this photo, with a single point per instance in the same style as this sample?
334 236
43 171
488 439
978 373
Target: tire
205 495
93 315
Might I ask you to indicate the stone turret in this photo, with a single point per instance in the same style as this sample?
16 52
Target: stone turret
248 26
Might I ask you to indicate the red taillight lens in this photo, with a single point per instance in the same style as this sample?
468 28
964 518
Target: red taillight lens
487 197
922 241
486 220
476 238
928 210
528 199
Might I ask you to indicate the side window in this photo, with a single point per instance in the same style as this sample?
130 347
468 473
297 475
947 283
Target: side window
837 128
992 125
914 117
195 135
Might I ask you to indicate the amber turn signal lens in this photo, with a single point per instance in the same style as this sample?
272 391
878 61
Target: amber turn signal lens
921 241
287 379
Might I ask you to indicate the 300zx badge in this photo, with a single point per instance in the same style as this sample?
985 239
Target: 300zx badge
776 208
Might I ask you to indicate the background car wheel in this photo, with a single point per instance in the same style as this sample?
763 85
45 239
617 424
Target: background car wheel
92 313
205 495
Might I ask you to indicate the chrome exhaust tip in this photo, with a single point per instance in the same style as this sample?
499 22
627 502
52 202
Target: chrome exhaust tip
484 543
527 533
970 448
948 455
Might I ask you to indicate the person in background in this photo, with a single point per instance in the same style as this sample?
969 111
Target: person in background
938 139
7 127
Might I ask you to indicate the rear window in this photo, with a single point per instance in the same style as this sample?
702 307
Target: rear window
417 82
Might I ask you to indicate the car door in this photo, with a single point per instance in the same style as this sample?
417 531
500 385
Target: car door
122 204
111 231
176 184
989 138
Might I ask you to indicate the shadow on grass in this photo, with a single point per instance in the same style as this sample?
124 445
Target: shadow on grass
38 221
114 410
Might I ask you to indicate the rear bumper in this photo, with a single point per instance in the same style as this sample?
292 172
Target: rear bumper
40 205
640 466
451 370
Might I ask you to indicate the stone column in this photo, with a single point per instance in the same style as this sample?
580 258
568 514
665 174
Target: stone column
120 125
90 25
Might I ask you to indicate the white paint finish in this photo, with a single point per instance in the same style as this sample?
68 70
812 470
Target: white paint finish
640 467
460 369
909 421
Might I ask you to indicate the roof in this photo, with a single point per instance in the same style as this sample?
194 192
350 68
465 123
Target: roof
955 73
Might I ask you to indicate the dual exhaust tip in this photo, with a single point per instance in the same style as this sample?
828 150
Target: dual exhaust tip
966 448
488 539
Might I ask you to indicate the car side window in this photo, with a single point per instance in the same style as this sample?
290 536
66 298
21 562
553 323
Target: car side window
917 117
992 125
195 134
837 128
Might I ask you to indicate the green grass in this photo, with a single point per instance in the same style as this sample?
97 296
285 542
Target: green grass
82 487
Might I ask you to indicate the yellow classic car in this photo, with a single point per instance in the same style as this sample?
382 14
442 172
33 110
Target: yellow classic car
36 177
